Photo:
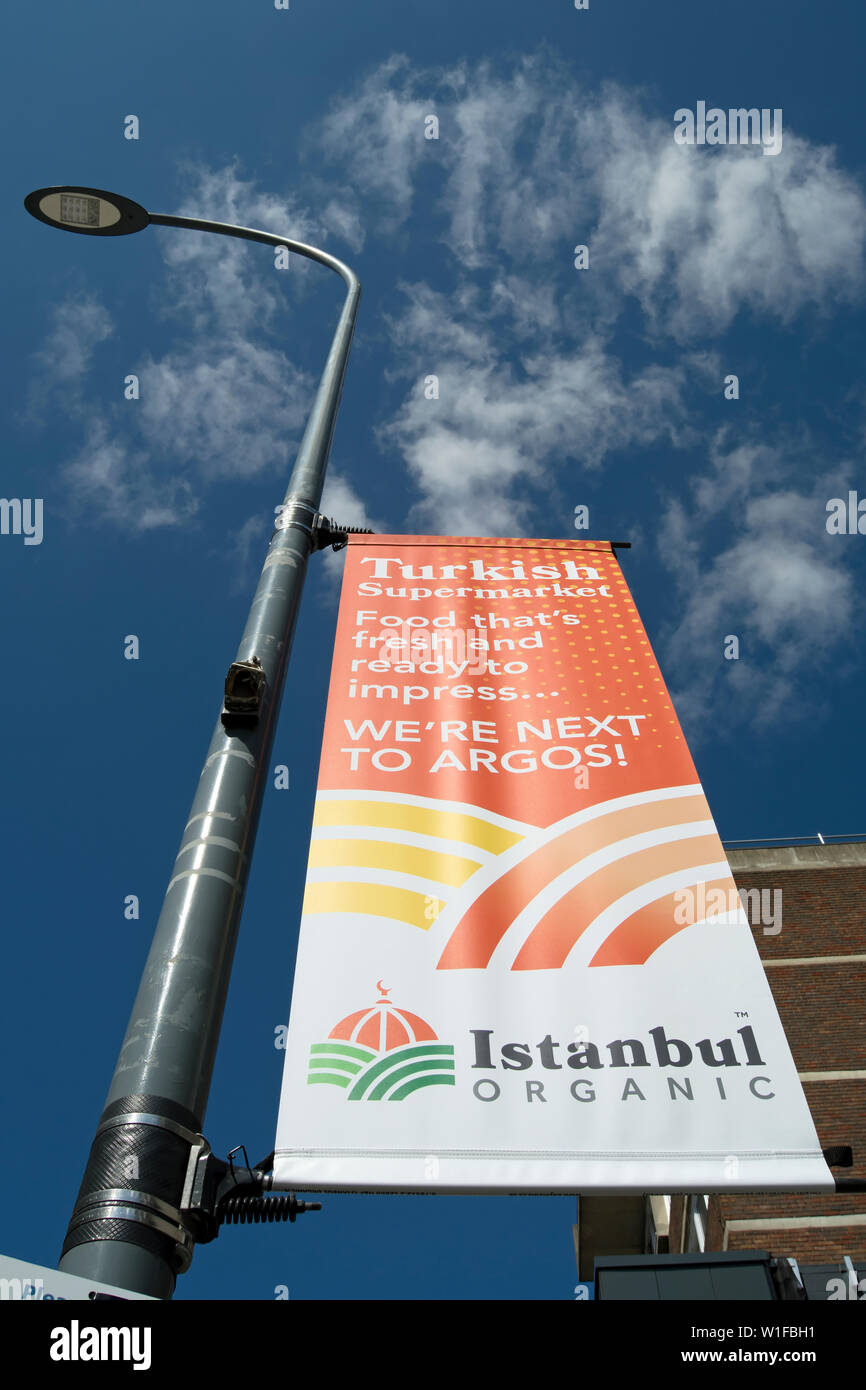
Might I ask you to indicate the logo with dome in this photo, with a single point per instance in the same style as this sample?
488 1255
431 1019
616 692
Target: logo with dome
381 1053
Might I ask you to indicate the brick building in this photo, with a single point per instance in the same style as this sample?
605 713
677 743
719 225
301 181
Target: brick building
816 966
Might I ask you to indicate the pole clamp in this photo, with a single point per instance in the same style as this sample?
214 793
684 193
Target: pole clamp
128 1204
294 511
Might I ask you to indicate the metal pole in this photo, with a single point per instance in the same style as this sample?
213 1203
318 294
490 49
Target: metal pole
126 1227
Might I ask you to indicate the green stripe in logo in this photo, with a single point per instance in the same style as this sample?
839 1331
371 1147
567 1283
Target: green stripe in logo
341 1063
413 1069
436 1079
366 1075
393 1059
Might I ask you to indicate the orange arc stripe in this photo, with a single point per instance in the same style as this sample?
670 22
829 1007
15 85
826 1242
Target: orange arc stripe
548 945
486 921
635 939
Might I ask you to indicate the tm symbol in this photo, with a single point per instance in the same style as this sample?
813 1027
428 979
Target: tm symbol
741 1013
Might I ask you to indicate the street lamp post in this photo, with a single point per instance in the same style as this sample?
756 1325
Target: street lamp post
131 1225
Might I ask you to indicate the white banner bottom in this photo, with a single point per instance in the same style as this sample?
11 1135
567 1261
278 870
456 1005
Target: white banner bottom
550 1175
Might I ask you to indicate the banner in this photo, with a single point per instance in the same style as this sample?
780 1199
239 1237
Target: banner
523 963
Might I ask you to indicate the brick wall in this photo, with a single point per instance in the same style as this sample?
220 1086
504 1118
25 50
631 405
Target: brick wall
823 1011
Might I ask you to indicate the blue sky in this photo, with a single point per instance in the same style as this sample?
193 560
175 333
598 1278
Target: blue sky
558 387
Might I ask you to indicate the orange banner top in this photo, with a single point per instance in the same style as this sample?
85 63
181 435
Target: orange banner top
522 663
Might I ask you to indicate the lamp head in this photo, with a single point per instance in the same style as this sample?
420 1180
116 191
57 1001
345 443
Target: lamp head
89 210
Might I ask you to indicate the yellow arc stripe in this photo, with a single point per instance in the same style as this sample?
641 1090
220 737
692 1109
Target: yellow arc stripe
422 820
380 854
374 900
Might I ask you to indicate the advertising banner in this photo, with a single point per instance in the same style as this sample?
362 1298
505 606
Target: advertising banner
523 963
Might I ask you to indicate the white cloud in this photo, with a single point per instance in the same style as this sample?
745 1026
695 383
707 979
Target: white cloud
232 415
221 284
342 504
494 431
249 542
80 324
345 507
532 163
378 132
111 482
700 234
751 558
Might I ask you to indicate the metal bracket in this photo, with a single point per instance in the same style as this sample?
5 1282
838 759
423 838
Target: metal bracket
328 533
842 1156
218 1191
246 683
839 1156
